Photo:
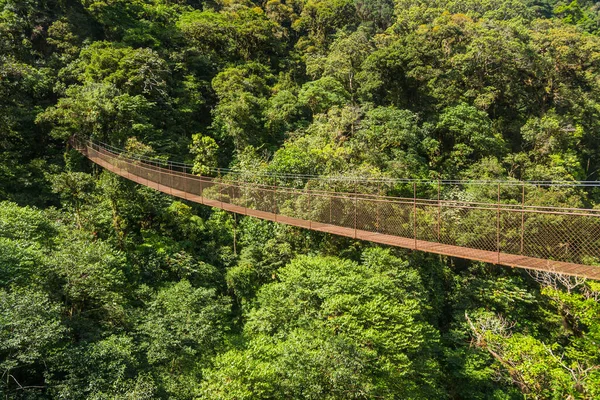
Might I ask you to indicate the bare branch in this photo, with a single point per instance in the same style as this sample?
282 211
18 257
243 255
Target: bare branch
556 280
578 372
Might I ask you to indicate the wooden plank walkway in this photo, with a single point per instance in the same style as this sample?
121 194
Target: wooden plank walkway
492 257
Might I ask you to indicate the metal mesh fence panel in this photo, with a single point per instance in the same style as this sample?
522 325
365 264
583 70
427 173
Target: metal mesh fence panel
516 221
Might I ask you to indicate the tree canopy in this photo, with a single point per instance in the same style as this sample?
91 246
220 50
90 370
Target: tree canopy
113 290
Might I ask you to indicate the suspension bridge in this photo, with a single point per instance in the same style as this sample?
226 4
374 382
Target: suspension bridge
504 223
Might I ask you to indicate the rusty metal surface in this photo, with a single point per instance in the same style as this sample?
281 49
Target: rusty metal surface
511 231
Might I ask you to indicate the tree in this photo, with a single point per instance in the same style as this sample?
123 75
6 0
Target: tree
19 260
26 223
100 111
109 289
322 94
134 71
330 329
265 248
282 113
466 133
568 369
345 58
390 139
379 12
323 18
108 367
238 32
74 188
242 95
183 328
205 150
30 328
90 275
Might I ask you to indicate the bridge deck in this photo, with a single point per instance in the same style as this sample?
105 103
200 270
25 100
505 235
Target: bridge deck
493 257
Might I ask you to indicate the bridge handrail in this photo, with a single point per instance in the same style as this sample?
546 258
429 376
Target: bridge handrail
348 178
508 232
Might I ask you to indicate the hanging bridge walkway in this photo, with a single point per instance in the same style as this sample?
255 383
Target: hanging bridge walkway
437 217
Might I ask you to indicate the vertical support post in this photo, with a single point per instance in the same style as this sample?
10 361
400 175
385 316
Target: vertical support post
202 189
275 211
439 212
522 218
415 212
498 225
171 175
309 209
185 182
244 193
152 171
377 201
330 206
159 175
355 207
220 188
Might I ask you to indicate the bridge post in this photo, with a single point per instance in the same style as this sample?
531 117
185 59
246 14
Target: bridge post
171 175
220 188
309 210
185 182
330 206
439 212
415 212
522 217
158 174
244 192
201 189
498 224
274 196
146 169
377 206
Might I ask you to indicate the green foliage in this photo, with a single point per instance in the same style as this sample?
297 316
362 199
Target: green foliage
239 114
205 149
135 71
182 329
105 368
99 110
25 223
322 18
265 249
18 261
30 328
322 94
584 15
91 277
389 139
203 328
282 112
123 292
465 134
379 12
331 329
239 32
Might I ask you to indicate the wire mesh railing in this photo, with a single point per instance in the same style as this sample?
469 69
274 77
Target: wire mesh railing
490 222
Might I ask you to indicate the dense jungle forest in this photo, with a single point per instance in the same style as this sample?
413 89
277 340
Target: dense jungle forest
111 290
